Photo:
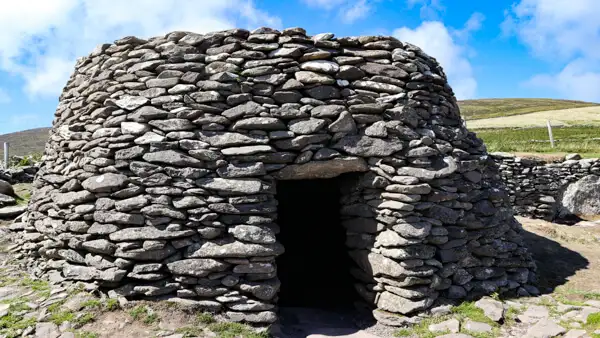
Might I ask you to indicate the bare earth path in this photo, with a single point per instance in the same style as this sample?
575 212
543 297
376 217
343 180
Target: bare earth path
568 257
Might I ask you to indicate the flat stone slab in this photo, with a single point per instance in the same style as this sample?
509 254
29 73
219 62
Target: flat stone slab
12 211
322 169
545 328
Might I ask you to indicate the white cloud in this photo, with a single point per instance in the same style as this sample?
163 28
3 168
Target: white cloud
449 47
325 4
562 33
348 10
576 81
430 9
41 39
4 97
358 10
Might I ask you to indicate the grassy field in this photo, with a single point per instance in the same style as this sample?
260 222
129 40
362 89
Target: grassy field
557 118
580 139
489 108
25 142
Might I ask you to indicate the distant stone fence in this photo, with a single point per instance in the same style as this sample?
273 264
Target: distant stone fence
536 186
19 174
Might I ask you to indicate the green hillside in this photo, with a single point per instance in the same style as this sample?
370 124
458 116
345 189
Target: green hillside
25 142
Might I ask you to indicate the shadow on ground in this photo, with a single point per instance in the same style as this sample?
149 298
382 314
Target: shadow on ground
296 322
556 263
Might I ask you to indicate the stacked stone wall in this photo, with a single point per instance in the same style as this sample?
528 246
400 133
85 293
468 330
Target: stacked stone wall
160 173
536 186
19 174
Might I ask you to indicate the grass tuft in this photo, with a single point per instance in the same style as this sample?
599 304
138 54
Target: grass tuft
144 314
190 331
403 333
593 319
62 316
205 318
86 334
469 310
233 330
92 304
511 314
41 287
112 304
151 318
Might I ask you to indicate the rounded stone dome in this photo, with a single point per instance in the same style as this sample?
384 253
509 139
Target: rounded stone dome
160 174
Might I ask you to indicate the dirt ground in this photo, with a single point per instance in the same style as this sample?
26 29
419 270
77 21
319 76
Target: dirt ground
568 257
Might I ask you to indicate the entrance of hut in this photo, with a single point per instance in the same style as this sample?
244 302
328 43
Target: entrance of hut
315 268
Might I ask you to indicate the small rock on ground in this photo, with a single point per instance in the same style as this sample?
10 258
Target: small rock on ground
46 330
533 314
452 325
477 327
492 308
576 334
545 328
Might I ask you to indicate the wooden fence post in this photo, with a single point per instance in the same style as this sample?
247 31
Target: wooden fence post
6 148
550 133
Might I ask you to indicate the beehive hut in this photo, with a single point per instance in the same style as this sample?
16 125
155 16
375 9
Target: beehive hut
250 170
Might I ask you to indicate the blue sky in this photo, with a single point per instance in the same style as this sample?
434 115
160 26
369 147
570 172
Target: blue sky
488 48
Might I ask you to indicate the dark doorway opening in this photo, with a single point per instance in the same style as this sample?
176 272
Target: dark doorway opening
315 268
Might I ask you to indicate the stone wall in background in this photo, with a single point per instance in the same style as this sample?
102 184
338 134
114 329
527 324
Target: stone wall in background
17 175
536 187
160 172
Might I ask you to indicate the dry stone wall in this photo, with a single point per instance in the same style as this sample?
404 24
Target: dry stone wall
536 187
19 174
159 176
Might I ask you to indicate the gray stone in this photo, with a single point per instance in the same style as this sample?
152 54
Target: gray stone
580 198
226 248
226 139
261 123
245 186
477 327
147 233
131 102
46 330
344 123
171 157
307 77
253 234
450 325
545 328
493 309
322 169
105 183
101 246
196 267
368 146
12 211
393 303
306 126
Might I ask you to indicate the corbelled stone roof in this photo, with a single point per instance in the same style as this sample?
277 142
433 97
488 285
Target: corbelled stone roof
159 176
